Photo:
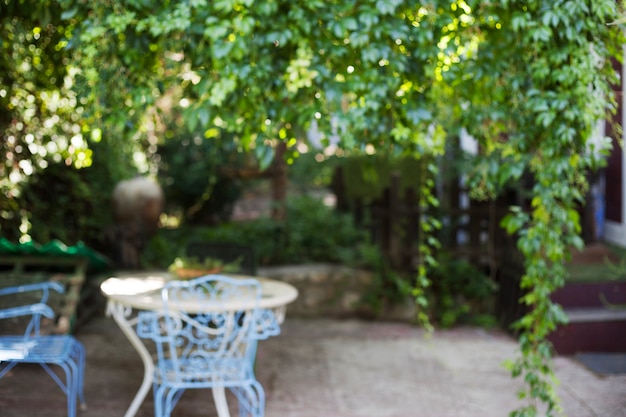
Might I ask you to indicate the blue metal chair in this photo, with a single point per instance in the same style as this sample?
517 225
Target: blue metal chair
45 350
206 337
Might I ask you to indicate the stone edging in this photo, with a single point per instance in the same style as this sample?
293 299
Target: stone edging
328 290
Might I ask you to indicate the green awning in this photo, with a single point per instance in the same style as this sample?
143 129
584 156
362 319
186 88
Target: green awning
55 248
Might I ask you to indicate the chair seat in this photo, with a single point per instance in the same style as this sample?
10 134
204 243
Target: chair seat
50 349
202 372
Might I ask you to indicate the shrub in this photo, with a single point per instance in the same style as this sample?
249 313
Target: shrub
192 185
312 232
461 294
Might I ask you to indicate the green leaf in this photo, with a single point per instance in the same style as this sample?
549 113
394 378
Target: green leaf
215 32
203 116
224 5
368 19
265 155
541 33
387 6
221 49
349 24
69 13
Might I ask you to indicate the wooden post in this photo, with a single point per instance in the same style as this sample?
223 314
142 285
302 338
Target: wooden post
411 229
394 222
279 182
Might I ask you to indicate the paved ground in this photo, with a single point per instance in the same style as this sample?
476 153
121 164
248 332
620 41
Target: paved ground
332 368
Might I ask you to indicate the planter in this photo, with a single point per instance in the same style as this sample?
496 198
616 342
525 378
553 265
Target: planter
191 273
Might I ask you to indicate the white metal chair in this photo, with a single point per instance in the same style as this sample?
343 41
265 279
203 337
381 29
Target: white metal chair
213 346
33 347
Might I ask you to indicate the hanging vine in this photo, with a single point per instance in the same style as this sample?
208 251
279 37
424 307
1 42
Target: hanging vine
534 109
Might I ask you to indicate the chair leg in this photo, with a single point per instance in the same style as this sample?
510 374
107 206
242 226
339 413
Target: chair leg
69 386
159 400
250 399
74 369
6 367
165 399
171 399
76 363
72 387
79 354
175 397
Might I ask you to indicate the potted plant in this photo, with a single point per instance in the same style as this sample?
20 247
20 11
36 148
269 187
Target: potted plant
192 267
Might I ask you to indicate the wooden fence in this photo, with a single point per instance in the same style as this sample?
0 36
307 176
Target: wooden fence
470 230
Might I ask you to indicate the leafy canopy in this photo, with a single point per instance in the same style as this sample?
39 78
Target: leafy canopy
266 70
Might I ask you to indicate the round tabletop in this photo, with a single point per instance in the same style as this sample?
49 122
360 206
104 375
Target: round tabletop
142 290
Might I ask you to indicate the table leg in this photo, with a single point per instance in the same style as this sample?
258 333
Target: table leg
219 396
119 314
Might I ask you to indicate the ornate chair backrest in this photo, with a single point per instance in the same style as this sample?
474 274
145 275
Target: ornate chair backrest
207 329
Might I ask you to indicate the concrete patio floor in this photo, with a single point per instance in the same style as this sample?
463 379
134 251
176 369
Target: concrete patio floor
332 368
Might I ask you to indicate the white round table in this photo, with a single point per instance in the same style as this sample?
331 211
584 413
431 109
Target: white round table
129 292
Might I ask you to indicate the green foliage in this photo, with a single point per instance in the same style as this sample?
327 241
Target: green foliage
61 205
191 181
541 123
276 65
66 203
388 287
165 246
460 294
192 267
40 123
366 176
312 232
312 170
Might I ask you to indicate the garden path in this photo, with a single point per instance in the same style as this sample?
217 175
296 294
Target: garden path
334 368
